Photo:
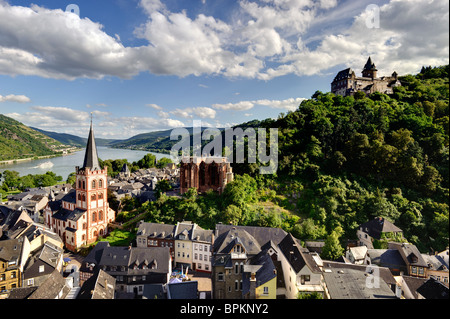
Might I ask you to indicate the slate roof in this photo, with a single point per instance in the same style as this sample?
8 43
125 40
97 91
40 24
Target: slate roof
384 272
298 256
344 74
227 240
265 271
99 286
433 289
65 214
182 290
51 287
390 258
261 234
153 291
11 250
70 197
91 157
94 256
375 227
413 284
410 254
349 283
155 230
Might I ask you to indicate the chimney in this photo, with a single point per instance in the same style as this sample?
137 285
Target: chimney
252 290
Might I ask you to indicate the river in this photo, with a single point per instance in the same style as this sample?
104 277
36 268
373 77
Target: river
64 165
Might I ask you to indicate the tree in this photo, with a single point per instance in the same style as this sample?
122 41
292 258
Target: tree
163 162
332 249
147 161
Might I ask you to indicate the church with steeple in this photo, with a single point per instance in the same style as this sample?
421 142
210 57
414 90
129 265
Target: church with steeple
346 82
82 216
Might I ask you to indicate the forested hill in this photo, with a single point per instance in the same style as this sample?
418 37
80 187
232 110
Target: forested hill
359 157
19 141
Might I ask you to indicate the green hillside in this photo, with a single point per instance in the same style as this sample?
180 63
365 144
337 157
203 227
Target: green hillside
18 141
345 160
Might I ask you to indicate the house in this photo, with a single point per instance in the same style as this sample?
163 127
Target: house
437 268
233 249
415 263
54 287
358 255
348 281
190 245
260 276
377 229
13 256
202 241
433 289
83 214
132 267
156 235
389 258
100 286
41 263
301 268
409 286
346 83
13 222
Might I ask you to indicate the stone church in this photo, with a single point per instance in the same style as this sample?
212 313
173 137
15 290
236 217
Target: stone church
82 216
205 173
346 83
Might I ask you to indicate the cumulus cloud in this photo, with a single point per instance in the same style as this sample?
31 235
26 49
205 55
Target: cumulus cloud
262 40
195 112
290 104
15 98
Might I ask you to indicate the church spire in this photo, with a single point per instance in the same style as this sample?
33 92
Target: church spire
91 157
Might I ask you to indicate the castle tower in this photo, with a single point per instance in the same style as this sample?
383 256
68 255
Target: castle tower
370 70
91 193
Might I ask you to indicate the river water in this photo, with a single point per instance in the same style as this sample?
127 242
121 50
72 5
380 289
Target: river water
64 165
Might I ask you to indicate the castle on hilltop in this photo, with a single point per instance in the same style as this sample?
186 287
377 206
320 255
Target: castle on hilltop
346 83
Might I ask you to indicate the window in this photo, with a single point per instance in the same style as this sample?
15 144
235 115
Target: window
94 216
236 268
220 276
100 215
266 290
93 197
100 183
30 282
236 285
94 184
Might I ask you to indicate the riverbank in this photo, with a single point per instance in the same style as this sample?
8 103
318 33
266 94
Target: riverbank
21 160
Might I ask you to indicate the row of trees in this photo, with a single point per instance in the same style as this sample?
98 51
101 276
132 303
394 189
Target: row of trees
149 160
11 180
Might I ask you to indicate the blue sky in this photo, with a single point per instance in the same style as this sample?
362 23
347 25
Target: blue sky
145 65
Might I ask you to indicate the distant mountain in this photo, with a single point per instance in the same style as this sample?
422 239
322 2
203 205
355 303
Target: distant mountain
19 141
64 138
74 140
159 141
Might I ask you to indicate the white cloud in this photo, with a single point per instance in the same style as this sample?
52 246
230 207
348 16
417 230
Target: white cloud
264 40
195 112
15 98
155 106
290 104
239 106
